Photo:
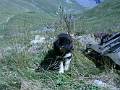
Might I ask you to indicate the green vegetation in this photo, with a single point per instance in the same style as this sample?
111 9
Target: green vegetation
19 25
105 17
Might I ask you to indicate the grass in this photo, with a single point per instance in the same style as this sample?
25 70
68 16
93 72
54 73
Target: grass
17 68
104 17
18 65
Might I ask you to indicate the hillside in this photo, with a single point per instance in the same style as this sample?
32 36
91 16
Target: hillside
36 5
24 21
18 15
10 7
105 17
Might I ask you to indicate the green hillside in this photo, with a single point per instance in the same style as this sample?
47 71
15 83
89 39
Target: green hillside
19 16
22 20
105 17
11 7
35 5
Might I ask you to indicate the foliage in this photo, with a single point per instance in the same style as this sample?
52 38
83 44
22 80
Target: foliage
18 64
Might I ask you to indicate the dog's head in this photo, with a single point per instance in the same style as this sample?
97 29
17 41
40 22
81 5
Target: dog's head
63 43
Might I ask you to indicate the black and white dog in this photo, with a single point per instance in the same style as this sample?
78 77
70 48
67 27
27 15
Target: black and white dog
63 47
60 56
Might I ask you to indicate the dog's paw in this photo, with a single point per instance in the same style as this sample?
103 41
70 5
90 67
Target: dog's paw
61 71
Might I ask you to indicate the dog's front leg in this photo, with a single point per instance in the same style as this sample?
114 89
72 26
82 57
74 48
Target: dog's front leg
67 64
67 57
61 68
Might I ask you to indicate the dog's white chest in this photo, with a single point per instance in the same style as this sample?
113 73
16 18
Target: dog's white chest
65 67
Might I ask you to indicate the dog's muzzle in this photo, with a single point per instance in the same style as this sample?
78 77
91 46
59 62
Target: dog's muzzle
62 49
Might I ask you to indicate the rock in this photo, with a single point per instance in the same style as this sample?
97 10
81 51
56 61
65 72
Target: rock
86 39
104 85
32 85
46 29
99 83
38 40
36 44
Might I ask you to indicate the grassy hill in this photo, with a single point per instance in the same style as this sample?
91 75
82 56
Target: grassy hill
105 17
35 5
11 7
22 20
20 16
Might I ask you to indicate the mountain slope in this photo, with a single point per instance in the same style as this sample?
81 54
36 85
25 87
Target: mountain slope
104 17
19 6
14 10
22 23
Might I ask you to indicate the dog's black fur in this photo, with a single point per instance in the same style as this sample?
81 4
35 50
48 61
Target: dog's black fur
63 44
61 47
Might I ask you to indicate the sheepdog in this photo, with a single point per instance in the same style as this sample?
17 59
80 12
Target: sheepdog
60 56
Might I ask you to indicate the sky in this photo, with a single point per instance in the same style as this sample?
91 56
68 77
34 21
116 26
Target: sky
87 3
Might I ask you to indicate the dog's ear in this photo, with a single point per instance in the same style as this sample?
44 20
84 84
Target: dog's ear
65 36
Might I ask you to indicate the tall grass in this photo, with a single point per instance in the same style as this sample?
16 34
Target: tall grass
18 64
